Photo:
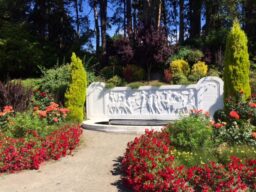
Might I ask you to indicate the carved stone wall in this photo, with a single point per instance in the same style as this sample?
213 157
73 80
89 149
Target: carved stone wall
165 102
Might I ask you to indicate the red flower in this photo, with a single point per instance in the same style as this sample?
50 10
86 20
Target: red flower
36 108
42 114
55 119
252 105
8 109
43 94
218 125
254 135
233 114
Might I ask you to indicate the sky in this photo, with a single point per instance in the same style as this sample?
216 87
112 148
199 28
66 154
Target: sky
87 10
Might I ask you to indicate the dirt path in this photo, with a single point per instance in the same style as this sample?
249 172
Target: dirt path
93 168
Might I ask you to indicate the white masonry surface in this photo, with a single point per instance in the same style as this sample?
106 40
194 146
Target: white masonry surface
168 102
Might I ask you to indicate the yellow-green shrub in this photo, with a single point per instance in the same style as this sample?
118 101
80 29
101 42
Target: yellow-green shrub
179 66
199 69
76 92
236 64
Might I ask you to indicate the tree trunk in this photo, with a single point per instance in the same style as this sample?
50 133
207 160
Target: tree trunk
129 17
96 23
77 18
165 19
181 23
158 13
250 23
103 18
195 18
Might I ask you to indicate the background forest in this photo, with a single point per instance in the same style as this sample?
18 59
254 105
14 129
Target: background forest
40 34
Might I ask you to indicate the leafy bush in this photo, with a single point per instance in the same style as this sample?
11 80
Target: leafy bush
114 82
110 71
76 92
200 69
191 133
179 66
214 72
55 81
187 54
14 94
236 63
43 122
21 123
180 79
235 124
133 73
41 99
31 83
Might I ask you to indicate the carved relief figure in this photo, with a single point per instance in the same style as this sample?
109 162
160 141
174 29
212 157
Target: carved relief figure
151 102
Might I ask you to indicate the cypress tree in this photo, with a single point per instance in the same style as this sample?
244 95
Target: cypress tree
236 64
76 92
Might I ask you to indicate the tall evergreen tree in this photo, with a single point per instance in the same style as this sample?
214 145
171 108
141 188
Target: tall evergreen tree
237 64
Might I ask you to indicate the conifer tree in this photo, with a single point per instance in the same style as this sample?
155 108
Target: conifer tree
76 92
236 64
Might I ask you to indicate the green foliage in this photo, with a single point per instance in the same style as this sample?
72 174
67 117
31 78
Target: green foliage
31 83
133 73
194 158
187 54
19 51
22 122
236 123
76 92
180 79
110 71
200 68
198 71
114 82
237 64
191 133
214 72
55 81
179 66
135 85
243 152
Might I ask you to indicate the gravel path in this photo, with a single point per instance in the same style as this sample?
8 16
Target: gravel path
93 168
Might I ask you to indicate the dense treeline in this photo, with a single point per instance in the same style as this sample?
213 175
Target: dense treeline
45 32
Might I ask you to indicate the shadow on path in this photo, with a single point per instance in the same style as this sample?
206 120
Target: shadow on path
118 171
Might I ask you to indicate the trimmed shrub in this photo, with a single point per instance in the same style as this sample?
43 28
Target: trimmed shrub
133 73
237 64
179 66
76 92
200 68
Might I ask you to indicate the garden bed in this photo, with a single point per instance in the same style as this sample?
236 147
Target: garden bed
149 165
196 154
